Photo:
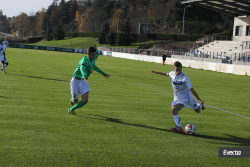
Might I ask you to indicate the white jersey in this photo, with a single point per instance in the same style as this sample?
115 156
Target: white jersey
1 50
2 58
5 45
181 86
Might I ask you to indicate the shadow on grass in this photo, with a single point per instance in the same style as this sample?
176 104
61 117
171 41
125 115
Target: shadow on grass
124 123
234 140
52 79
153 79
4 97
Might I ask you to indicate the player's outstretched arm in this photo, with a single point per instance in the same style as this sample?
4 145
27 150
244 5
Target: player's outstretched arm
197 96
106 75
162 73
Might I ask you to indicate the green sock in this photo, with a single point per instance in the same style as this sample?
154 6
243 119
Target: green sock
78 105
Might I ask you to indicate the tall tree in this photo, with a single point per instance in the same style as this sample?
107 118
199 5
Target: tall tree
50 35
81 21
118 20
22 24
41 24
73 9
124 36
102 11
105 30
59 33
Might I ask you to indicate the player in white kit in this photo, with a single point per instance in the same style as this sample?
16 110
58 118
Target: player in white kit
4 61
182 96
2 58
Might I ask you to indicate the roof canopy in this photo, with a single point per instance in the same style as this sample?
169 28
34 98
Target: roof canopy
229 7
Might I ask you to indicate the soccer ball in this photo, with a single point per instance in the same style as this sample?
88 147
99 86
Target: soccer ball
190 129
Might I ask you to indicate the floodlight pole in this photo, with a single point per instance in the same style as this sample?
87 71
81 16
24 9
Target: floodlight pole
61 18
118 17
183 18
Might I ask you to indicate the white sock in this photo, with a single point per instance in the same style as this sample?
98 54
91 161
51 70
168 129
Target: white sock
199 104
3 67
177 121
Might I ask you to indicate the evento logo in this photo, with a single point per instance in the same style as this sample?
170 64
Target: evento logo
21 46
36 47
235 152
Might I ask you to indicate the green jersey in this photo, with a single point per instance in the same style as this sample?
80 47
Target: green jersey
96 54
85 68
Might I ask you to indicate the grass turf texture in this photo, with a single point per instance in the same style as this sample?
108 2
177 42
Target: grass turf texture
124 123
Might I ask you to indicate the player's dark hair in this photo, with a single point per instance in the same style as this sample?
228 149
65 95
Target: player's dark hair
91 49
177 64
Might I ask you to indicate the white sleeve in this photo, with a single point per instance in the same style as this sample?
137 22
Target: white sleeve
188 83
170 74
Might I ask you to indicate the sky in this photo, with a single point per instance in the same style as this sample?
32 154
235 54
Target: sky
12 8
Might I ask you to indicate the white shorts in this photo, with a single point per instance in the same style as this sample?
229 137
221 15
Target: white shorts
78 86
192 103
3 59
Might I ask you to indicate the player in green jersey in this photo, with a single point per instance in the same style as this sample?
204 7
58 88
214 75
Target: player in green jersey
97 53
79 82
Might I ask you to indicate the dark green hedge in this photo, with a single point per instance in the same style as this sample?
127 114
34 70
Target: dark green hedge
196 27
35 39
174 37
44 36
224 35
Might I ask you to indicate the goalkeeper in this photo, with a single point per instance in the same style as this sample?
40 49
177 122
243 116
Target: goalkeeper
79 82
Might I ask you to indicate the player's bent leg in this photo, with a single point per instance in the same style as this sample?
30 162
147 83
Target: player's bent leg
198 109
175 109
85 98
80 103
202 106
4 72
2 62
74 101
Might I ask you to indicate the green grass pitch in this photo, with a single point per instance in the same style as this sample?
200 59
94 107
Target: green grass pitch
127 120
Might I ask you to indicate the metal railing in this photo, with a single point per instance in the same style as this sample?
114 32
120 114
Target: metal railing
151 52
233 58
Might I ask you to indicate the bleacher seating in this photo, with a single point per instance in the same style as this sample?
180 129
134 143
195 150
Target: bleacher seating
223 48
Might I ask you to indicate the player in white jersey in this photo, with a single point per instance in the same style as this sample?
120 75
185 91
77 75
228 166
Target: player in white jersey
5 44
182 96
3 58
5 64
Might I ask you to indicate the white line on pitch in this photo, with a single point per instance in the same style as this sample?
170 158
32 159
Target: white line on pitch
205 104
